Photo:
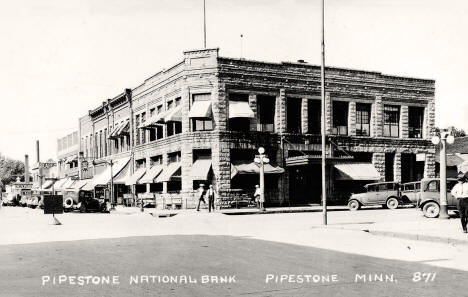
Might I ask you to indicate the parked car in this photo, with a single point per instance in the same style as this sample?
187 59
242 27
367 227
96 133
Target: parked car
83 201
429 196
410 192
386 194
33 201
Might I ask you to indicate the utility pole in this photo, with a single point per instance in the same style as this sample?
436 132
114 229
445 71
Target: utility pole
324 185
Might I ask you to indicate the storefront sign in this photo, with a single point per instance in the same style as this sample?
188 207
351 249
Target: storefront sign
47 165
420 157
23 186
53 204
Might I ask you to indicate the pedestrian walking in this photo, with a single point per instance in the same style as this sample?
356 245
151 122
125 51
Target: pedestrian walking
211 193
460 191
257 196
201 196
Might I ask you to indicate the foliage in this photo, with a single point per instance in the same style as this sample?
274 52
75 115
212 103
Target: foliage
452 130
9 170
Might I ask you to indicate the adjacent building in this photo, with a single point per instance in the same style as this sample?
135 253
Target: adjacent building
202 121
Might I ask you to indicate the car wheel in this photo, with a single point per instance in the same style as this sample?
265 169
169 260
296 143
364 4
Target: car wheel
354 205
392 203
83 207
431 210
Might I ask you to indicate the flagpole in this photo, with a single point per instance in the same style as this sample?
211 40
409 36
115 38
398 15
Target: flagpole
324 186
204 24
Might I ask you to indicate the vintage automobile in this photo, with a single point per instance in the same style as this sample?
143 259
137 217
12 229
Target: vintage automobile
83 201
429 196
386 194
410 192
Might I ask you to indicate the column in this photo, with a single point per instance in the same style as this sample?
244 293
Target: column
397 167
429 165
378 160
429 119
219 99
185 103
128 96
280 112
404 132
283 181
352 118
186 153
253 106
305 116
377 117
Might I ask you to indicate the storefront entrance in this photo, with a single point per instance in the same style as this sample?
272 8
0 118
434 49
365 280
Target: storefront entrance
305 184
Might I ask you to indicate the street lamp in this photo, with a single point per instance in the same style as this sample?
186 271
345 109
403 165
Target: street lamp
261 159
443 139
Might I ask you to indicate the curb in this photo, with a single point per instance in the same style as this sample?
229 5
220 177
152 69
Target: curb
258 212
418 237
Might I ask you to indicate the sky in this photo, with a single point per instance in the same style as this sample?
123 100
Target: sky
59 59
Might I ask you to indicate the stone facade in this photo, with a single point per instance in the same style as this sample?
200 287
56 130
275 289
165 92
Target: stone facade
205 72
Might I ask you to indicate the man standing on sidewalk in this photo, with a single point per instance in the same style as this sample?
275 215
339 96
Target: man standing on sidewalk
460 191
201 196
211 197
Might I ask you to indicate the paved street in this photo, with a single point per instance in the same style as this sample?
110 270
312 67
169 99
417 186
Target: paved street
249 247
249 260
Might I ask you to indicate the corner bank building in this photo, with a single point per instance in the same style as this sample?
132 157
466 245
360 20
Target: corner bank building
203 120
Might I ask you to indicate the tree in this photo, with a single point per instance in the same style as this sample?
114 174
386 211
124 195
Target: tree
9 170
452 130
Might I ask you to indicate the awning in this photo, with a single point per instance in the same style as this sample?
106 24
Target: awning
155 119
66 184
253 168
47 184
123 176
104 177
200 169
174 115
136 176
114 131
200 109
123 129
356 171
151 174
168 172
240 109
71 159
78 184
60 182
451 160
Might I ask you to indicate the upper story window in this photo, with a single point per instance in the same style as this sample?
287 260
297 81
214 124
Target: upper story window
174 157
415 121
293 115
391 127
156 160
201 113
140 163
363 114
240 112
177 101
137 125
266 113
314 116
340 118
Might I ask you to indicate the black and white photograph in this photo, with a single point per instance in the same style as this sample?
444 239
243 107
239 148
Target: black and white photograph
234 148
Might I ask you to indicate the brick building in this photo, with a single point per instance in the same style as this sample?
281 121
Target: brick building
202 121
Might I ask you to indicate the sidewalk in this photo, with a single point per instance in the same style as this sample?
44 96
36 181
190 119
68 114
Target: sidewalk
431 230
421 229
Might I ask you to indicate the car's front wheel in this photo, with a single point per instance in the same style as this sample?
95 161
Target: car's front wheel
392 203
354 205
431 210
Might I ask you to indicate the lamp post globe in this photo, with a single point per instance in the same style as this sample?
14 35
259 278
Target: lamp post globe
261 150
